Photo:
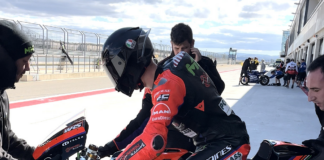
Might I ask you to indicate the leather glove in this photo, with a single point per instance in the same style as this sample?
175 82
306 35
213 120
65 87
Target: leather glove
318 145
107 150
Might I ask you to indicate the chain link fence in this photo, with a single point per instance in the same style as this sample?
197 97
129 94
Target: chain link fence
84 48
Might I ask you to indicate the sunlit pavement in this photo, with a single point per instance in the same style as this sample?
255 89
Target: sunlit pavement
270 112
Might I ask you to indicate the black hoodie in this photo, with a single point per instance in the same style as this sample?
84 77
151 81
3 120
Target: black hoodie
11 147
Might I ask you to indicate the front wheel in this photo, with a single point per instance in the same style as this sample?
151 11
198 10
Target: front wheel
264 80
244 82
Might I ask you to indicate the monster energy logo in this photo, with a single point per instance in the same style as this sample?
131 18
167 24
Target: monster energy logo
192 67
29 49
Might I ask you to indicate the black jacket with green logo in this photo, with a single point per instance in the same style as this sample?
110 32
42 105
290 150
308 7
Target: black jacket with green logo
11 147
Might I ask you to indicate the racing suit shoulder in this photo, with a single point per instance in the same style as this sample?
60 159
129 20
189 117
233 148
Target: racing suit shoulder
166 97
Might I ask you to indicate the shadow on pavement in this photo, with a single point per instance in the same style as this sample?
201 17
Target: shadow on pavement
277 113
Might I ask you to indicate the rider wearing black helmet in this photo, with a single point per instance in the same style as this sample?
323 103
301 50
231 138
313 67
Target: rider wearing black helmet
182 94
181 40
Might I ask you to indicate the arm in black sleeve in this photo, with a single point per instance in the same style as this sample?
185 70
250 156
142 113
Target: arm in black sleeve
137 125
19 148
5 156
320 115
15 148
208 65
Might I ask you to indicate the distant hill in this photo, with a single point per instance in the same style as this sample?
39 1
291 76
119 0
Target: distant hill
243 56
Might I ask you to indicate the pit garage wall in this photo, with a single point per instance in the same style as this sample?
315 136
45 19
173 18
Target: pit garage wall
312 31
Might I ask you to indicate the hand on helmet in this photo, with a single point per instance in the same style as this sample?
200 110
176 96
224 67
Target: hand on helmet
107 150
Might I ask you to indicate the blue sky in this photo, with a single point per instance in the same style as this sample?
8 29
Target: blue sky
251 26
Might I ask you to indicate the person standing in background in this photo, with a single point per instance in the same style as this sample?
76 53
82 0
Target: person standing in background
301 73
262 66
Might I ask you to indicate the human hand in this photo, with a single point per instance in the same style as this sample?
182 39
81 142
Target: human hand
107 150
196 52
317 145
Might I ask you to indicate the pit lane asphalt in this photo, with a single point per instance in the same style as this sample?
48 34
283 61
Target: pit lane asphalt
270 112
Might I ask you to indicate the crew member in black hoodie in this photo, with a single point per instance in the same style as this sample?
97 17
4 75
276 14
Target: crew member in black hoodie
15 51
245 69
315 83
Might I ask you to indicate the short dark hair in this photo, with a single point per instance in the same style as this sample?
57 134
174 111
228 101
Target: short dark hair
317 63
180 33
303 59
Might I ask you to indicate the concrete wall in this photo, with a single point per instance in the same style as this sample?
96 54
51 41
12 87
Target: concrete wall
43 77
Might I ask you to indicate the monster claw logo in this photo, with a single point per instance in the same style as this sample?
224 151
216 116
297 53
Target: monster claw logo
29 49
191 67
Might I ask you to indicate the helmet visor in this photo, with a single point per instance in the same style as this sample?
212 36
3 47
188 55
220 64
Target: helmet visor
110 65
141 43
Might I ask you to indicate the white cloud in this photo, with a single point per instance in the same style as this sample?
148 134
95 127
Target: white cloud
206 17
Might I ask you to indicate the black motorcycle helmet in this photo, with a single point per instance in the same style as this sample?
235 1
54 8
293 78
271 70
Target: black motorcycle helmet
126 54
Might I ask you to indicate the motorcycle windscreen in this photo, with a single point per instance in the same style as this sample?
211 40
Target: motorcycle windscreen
65 140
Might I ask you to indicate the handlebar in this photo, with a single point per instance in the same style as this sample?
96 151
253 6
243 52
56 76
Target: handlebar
90 153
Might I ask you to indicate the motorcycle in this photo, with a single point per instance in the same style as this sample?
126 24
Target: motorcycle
255 77
71 139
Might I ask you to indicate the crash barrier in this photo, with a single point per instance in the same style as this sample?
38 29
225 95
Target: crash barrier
85 47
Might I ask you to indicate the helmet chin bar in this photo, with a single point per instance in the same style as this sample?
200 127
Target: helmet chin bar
131 80
140 85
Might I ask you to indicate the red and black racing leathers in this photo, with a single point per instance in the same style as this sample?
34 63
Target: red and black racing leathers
175 138
184 96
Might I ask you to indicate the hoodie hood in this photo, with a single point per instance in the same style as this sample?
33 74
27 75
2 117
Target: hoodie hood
8 71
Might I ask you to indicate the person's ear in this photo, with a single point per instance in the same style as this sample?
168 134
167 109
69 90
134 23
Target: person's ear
192 43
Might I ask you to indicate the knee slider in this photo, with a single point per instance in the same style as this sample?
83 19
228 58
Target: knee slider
158 142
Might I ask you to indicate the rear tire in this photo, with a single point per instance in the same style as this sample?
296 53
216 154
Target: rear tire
264 80
243 80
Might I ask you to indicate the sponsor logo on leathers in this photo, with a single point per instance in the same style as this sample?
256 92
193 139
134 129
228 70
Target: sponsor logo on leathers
205 80
132 150
161 118
192 67
161 91
227 109
161 108
236 156
163 97
221 153
185 131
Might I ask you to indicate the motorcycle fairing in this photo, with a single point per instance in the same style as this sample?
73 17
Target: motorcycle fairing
280 150
66 142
